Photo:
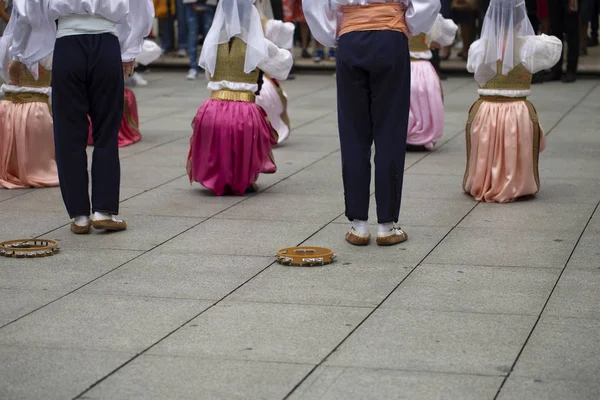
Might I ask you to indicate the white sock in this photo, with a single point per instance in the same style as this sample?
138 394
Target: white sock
385 228
360 226
81 220
102 216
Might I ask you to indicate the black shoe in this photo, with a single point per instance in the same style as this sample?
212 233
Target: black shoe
537 78
442 76
569 77
554 76
306 54
593 42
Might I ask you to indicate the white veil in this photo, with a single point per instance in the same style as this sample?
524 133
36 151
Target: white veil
505 26
235 18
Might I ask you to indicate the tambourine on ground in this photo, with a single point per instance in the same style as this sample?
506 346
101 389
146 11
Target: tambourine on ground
28 248
305 256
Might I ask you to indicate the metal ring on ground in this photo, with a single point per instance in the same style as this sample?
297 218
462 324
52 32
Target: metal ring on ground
28 248
305 256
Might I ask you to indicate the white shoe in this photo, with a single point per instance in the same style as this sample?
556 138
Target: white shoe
192 74
137 80
181 53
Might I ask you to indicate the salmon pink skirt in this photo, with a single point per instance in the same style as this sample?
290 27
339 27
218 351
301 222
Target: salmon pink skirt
504 139
231 145
129 132
27 156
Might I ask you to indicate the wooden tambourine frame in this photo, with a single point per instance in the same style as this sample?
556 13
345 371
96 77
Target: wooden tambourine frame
305 256
28 248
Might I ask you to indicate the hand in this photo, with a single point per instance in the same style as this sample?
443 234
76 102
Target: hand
14 72
435 45
128 68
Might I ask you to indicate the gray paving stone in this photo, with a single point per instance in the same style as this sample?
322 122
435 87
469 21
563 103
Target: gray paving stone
570 191
167 200
16 303
287 207
99 322
481 246
63 272
462 288
242 237
576 295
6 194
20 224
53 374
334 383
530 389
154 378
146 177
421 241
562 349
350 283
435 187
143 233
264 332
587 253
482 344
179 275
441 163
42 199
530 215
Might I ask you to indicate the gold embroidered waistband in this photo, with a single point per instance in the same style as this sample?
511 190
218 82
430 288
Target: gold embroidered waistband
230 95
26 97
502 99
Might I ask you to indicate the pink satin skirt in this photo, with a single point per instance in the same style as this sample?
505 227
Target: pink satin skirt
504 139
129 132
426 116
231 145
273 100
27 156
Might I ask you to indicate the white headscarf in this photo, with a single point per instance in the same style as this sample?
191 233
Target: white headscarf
235 18
505 26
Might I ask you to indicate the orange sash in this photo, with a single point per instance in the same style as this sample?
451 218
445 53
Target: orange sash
374 17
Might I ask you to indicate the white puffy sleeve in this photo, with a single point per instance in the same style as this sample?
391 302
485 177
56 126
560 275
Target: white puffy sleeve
442 32
278 63
476 55
135 27
280 33
32 33
322 21
421 15
540 52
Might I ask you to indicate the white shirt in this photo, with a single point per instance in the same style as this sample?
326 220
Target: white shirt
322 16
442 32
35 28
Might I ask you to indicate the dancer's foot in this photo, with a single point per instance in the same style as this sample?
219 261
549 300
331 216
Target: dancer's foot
108 222
391 236
359 233
81 225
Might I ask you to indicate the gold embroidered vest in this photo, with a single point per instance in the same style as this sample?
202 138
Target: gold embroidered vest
519 78
230 63
418 44
27 80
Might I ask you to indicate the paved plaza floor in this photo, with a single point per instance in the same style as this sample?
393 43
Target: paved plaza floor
485 301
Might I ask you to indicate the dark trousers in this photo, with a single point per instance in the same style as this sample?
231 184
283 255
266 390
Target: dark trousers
277 6
87 79
595 19
373 91
565 23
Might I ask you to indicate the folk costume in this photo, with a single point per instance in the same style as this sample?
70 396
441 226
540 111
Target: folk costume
373 87
91 39
426 116
272 97
504 136
232 137
129 132
26 134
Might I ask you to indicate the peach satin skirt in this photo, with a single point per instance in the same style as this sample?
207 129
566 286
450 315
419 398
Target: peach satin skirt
504 139
27 156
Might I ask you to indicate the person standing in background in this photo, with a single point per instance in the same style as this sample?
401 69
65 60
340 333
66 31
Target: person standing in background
292 12
191 41
564 20
5 10
164 11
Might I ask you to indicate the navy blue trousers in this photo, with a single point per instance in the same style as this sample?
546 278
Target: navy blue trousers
373 88
87 79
